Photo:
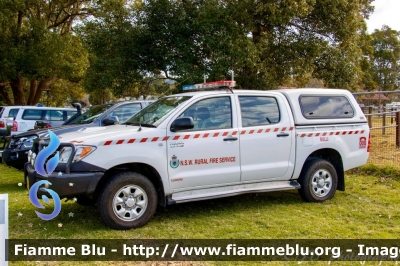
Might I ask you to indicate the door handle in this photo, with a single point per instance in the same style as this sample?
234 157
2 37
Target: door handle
230 139
283 135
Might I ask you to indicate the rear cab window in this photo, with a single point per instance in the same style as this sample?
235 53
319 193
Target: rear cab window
13 112
326 107
32 114
259 110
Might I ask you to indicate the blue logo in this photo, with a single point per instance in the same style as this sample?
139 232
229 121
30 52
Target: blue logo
50 166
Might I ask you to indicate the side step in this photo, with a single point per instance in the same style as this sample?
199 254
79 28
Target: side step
227 191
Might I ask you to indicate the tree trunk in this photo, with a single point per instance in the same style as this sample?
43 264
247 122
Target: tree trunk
32 91
18 91
5 95
43 85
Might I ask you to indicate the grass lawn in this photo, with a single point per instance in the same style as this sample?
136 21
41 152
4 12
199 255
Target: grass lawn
369 208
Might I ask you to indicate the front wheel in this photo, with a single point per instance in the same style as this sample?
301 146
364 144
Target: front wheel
128 200
318 180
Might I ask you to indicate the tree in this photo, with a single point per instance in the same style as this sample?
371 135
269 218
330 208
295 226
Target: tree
37 45
385 61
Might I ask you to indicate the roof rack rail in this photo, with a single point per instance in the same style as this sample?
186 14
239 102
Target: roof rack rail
210 85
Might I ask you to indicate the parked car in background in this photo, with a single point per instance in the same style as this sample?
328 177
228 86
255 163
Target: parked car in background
27 116
7 113
15 151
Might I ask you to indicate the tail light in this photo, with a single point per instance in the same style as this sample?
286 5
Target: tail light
48 126
369 142
2 124
15 126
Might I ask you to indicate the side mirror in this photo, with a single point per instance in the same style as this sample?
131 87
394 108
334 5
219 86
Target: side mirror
112 120
182 123
78 107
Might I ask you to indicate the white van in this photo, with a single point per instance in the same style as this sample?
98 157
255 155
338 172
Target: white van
7 113
28 115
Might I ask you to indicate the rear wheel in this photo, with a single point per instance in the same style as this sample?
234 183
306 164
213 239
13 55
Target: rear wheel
128 200
318 180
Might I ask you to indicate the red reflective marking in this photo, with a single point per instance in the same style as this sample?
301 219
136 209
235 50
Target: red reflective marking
337 133
251 132
356 132
283 129
324 134
143 140
291 128
176 137
186 137
310 135
267 130
317 134
225 134
276 129
243 132
131 140
165 138
155 139
344 132
120 141
206 135
196 136
302 135
216 134
259 131
362 131
350 132
108 142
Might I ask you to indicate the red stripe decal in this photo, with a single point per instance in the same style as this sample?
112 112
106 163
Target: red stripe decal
291 128
186 137
362 131
344 132
310 135
276 129
165 138
350 132
108 142
120 141
267 130
302 135
176 137
251 132
356 132
330 134
317 134
216 134
131 141
259 131
196 136
155 139
234 133
206 135
324 134
225 134
337 133
243 132
143 140
283 129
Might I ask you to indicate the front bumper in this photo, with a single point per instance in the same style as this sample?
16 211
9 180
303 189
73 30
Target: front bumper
15 158
65 185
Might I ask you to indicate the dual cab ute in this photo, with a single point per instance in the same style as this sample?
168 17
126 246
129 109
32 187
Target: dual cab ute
210 144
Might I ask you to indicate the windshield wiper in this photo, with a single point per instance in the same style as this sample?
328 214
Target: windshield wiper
139 124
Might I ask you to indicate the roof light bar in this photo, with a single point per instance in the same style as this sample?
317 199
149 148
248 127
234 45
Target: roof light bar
209 85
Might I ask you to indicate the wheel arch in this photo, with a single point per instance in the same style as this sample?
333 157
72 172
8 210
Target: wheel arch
334 157
147 170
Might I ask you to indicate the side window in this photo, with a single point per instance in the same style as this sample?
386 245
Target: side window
32 114
326 107
213 113
259 110
126 111
54 115
13 112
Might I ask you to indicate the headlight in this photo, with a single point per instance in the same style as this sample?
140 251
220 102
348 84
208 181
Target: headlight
65 153
28 143
82 152
32 158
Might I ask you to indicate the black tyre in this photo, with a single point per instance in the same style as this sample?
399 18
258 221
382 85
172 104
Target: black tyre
318 180
85 201
128 200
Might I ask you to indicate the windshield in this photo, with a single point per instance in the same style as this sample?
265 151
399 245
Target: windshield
155 113
90 115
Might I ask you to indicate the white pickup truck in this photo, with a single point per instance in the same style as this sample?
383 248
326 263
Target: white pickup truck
210 144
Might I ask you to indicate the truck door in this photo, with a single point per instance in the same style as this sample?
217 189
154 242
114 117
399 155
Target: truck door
208 154
266 137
